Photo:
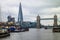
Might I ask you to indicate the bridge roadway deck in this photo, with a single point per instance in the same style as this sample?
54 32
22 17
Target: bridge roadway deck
47 19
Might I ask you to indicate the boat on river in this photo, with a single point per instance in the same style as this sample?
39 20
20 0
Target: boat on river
4 33
56 29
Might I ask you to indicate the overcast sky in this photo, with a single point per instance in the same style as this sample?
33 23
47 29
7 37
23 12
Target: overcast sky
30 9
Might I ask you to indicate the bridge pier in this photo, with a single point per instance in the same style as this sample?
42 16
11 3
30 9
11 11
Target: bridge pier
38 22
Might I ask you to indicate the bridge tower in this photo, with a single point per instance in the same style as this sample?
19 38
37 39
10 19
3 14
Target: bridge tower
38 21
55 20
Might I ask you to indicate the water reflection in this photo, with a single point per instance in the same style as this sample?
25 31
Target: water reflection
56 36
34 34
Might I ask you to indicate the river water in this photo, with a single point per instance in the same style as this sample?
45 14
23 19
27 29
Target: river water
34 34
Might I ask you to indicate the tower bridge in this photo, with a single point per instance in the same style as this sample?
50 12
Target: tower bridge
39 24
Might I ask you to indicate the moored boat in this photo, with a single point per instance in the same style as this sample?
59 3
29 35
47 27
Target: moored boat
56 29
4 33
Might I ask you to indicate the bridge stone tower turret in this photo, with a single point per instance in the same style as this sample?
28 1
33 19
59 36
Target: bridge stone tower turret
38 21
55 20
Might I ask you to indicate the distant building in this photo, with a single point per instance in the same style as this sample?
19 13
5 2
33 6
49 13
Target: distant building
20 15
11 19
29 24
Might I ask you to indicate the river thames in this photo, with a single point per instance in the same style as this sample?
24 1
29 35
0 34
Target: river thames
34 34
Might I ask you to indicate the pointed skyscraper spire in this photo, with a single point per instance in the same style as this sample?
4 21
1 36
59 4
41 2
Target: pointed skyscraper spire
20 15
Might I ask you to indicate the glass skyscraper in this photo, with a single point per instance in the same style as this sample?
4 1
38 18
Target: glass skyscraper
20 15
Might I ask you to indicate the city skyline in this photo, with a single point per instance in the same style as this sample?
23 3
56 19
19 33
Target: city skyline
31 8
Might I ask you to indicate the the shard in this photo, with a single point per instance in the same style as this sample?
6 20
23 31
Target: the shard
20 15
